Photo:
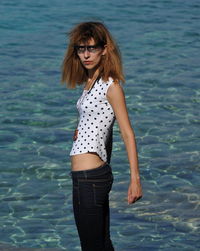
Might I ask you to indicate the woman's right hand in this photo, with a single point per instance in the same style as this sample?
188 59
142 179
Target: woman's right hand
75 135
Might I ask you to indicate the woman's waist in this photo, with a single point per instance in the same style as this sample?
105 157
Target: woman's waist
104 170
85 161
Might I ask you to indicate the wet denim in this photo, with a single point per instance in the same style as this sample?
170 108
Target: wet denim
91 207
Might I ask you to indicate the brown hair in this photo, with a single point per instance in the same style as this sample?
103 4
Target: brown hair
73 71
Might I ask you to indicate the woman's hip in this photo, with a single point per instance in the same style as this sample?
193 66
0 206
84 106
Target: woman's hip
102 172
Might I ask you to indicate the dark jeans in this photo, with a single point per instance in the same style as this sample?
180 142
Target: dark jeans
91 207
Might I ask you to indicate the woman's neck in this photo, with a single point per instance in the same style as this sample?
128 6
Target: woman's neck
93 74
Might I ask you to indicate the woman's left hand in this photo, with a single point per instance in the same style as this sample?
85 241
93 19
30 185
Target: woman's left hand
134 192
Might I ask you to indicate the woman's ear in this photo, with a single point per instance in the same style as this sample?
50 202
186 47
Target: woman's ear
104 50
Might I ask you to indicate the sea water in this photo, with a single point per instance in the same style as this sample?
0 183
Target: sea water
160 45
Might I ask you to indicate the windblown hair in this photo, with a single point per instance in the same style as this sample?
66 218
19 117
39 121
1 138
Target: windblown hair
73 72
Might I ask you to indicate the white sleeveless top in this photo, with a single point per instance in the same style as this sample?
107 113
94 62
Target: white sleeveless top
95 122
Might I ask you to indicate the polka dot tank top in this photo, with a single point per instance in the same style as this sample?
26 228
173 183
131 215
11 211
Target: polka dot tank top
96 120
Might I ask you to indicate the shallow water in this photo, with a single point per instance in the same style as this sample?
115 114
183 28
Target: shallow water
160 42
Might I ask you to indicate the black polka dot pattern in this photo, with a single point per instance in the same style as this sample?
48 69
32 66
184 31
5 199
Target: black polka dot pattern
95 122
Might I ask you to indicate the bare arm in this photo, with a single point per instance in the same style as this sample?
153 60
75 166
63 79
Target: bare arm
116 98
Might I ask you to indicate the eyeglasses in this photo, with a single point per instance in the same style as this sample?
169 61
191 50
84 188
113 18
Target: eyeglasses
90 48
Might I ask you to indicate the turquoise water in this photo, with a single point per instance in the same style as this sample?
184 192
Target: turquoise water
160 44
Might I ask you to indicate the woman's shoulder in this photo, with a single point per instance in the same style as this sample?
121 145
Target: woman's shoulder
109 81
105 84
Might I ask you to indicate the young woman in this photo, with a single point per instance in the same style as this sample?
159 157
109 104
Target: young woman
93 59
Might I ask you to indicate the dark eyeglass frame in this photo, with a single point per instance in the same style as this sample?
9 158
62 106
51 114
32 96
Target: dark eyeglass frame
90 48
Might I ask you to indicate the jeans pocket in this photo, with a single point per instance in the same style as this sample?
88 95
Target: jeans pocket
86 195
101 192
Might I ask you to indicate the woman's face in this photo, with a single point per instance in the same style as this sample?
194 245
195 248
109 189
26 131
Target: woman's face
90 54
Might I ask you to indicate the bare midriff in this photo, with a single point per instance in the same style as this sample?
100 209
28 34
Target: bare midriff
85 161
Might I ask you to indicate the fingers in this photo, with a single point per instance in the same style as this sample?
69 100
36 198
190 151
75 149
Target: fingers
134 193
75 135
133 199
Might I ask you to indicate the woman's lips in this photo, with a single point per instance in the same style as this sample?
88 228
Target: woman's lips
87 62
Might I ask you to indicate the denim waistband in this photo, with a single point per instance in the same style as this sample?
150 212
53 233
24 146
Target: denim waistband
91 172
